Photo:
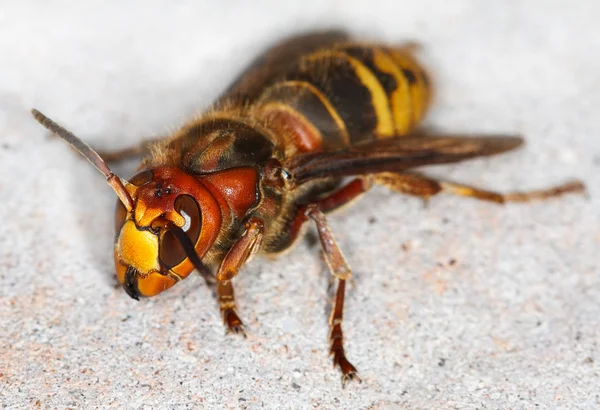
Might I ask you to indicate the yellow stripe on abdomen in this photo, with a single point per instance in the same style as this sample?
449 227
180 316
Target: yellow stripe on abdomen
417 80
353 89
401 101
385 123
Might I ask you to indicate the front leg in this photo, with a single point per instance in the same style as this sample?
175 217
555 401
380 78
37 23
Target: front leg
240 253
226 299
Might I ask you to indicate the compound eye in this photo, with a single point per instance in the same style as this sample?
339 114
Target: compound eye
170 250
142 178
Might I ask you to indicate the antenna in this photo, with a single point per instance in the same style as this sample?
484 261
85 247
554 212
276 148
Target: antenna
84 149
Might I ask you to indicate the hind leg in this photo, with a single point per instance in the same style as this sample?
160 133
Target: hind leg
424 187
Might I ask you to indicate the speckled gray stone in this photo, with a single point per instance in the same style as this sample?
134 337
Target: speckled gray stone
513 323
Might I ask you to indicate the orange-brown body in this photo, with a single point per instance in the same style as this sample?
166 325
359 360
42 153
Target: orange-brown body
223 154
270 155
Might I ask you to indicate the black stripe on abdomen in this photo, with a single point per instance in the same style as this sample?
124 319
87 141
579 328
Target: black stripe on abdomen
311 103
335 75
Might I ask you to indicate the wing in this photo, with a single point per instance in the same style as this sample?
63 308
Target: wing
395 154
277 60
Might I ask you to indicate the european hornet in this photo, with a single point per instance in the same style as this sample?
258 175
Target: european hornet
271 154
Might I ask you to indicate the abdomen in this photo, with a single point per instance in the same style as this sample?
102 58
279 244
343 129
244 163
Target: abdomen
346 95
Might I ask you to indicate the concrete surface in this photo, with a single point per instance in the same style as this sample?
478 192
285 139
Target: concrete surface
513 323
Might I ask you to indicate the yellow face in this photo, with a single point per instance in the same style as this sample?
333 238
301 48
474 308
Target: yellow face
149 256
137 262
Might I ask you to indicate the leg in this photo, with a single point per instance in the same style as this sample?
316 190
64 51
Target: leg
226 299
345 194
340 270
424 187
138 150
240 253
122 154
336 262
332 202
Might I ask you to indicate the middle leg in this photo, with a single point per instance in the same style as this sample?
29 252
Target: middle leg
336 263
341 271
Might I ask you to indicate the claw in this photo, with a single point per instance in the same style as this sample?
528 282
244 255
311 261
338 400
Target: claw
233 322
349 377
348 370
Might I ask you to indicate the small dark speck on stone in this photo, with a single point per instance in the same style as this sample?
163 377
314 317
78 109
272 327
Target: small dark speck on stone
372 220
404 392
452 262
311 239
445 221
442 362
242 399
296 386
588 360
578 336
538 323
5 146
